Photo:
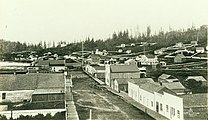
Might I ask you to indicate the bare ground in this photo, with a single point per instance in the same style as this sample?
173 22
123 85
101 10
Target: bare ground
104 105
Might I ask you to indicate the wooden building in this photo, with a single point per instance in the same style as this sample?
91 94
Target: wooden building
120 71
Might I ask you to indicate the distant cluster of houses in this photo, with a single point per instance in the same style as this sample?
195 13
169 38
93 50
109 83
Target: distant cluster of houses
181 53
164 96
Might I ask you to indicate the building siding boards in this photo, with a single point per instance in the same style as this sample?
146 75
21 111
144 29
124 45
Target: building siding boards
120 71
22 86
179 58
166 104
16 96
48 97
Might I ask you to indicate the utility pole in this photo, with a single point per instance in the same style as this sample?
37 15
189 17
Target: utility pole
90 114
82 54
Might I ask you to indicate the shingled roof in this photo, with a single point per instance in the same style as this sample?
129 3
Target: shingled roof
123 68
153 87
173 85
10 82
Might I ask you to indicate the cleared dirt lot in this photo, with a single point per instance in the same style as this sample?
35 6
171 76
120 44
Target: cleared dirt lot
104 105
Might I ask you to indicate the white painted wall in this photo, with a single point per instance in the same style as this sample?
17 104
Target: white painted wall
16 96
146 98
57 68
173 103
107 74
90 69
133 91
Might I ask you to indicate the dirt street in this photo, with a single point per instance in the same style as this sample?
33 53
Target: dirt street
104 105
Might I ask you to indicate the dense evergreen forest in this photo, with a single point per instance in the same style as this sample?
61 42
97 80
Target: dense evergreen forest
162 39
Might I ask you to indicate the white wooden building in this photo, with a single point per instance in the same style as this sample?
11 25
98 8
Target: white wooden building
157 98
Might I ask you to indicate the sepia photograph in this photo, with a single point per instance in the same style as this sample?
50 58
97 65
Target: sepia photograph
103 60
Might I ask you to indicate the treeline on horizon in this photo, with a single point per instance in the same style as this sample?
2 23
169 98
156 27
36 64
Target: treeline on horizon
163 39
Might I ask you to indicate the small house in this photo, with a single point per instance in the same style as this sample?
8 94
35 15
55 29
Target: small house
72 64
200 49
99 72
147 59
120 50
179 58
197 79
194 43
143 72
159 51
97 59
179 45
165 78
43 66
176 87
120 84
123 45
130 62
132 44
57 65
128 51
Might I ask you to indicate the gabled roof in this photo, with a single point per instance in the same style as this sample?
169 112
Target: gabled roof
167 78
151 87
69 60
123 68
199 48
99 67
130 60
100 56
32 81
173 85
73 64
10 82
155 87
164 76
50 81
197 78
139 81
134 80
56 62
180 55
150 56
43 63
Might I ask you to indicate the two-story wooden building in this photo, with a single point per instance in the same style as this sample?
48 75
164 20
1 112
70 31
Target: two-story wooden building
120 71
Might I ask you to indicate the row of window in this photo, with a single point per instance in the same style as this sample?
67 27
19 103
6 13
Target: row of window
172 110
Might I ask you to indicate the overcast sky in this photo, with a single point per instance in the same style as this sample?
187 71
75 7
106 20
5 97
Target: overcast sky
72 20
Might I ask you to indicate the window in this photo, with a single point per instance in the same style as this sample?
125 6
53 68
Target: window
161 107
152 103
166 108
178 113
3 96
173 111
140 97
